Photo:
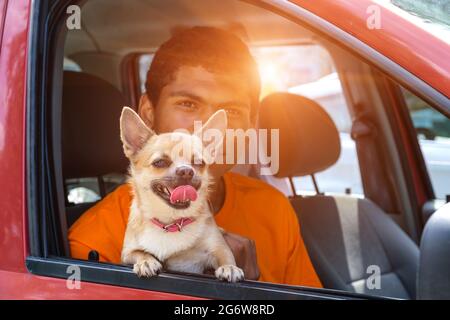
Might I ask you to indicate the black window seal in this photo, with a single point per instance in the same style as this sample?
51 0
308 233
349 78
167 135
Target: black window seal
41 185
34 97
202 286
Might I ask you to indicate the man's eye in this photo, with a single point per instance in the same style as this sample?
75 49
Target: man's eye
233 112
187 104
161 163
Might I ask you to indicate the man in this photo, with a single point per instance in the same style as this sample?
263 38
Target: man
195 73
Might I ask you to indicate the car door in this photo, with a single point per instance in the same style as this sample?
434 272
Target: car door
42 192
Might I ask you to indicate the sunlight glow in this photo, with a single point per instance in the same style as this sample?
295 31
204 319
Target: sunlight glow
270 74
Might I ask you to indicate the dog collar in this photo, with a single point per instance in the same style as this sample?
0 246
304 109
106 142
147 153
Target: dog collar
175 226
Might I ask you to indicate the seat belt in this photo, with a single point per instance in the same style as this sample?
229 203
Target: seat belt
371 163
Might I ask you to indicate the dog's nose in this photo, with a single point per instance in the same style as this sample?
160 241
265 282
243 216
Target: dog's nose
184 172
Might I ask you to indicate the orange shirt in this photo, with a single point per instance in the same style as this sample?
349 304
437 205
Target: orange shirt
252 209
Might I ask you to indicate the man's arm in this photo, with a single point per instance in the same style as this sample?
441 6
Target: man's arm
79 250
244 251
299 269
102 227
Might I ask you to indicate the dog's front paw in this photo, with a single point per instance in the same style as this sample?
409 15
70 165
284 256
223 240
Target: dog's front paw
147 267
229 273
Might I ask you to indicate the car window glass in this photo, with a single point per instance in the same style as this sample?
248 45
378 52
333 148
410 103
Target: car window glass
433 133
434 11
88 190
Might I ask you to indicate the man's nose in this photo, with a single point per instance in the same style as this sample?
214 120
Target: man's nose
184 172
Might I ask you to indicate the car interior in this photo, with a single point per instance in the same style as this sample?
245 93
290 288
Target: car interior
346 233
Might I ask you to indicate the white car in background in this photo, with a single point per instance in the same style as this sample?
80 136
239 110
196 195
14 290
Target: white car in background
344 175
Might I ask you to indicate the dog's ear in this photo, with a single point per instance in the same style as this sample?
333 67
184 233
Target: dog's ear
212 134
133 132
218 121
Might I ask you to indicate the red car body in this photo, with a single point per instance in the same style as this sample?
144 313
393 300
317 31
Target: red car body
407 45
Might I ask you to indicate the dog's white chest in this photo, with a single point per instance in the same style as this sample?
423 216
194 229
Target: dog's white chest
194 260
164 244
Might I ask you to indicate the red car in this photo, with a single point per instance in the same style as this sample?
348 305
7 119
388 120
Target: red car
387 240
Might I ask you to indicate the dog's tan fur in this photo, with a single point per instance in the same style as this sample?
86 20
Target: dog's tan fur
200 245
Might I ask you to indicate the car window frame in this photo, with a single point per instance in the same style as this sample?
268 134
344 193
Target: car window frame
43 195
41 191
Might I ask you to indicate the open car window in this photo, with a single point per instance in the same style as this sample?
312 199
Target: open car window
96 58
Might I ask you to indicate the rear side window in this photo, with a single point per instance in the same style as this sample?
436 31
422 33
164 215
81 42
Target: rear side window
433 134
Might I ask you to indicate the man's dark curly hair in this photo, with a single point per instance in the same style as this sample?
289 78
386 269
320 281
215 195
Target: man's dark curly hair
216 50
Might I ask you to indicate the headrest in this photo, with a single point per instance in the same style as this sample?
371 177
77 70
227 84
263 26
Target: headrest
309 140
91 144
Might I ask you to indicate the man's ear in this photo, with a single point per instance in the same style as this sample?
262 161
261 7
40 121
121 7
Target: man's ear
146 110
133 132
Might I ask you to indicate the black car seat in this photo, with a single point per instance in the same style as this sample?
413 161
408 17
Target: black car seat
349 239
91 146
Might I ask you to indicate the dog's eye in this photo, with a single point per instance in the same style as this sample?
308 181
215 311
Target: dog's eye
199 163
161 163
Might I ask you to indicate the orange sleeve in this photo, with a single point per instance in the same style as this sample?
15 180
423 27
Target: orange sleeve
102 227
299 269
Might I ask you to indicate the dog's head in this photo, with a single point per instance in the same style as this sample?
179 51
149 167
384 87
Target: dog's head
169 171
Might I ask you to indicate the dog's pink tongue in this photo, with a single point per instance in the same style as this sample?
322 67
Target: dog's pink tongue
183 193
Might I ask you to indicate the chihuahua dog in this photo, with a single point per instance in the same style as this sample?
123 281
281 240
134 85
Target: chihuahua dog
170 223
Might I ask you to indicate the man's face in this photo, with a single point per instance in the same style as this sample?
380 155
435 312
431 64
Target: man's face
195 95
